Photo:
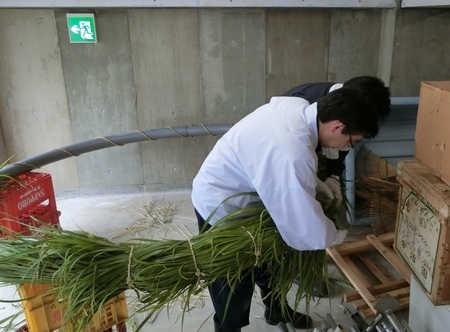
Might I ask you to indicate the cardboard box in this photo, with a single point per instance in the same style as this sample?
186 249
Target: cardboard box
422 229
432 141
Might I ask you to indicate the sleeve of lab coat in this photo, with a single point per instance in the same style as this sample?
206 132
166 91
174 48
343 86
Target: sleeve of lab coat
299 217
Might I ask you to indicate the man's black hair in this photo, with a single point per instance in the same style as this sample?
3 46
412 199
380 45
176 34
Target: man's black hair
353 108
376 90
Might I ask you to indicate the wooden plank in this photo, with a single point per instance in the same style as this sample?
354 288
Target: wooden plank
382 278
391 257
367 313
397 294
360 275
367 295
363 245
396 255
402 296
348 272
377 289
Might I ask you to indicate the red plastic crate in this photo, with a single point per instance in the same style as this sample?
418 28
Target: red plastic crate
28 196
23 329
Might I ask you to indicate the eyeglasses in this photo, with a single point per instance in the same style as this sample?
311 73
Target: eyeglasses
351 141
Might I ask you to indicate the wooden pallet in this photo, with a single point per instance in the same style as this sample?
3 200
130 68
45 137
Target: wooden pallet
372 284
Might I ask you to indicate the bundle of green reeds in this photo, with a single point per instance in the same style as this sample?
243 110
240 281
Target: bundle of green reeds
87 270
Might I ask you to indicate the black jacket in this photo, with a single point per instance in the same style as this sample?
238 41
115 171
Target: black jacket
312 92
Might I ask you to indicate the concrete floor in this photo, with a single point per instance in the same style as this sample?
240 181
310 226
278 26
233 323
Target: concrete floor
108 216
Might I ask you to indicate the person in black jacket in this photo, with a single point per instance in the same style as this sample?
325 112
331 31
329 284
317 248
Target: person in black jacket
379 95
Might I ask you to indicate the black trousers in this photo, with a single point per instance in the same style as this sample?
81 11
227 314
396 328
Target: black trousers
238 312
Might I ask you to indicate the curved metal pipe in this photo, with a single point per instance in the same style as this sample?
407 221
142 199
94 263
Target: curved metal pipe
74 150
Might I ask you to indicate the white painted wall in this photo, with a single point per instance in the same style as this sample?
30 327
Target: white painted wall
423 315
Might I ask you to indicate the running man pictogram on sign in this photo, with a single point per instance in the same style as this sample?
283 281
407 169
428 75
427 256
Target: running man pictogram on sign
81 28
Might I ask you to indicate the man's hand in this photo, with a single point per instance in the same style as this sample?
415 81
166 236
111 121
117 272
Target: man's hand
340 237
323 188
331 188
335 187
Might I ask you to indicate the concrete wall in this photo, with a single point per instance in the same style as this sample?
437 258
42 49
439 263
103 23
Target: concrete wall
157 67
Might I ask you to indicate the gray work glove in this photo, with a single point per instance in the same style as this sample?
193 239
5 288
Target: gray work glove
331 188
340 237
335 186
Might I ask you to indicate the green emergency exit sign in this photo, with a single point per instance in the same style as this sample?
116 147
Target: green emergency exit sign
81 28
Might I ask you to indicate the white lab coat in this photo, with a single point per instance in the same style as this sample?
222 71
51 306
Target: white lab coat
270 151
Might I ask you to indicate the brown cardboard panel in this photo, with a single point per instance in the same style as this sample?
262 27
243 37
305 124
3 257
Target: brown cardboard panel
432 141
442 85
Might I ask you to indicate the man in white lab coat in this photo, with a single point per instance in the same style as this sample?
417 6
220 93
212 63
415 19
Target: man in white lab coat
273 151
335 157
